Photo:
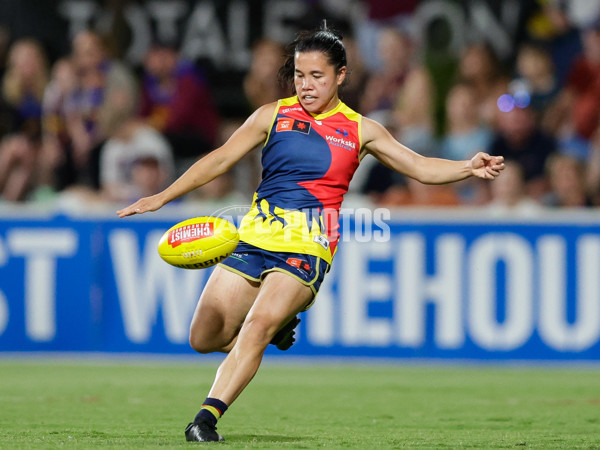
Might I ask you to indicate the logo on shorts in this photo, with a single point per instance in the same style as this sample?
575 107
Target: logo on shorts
299 264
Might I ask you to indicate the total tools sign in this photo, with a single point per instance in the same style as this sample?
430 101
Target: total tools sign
443 288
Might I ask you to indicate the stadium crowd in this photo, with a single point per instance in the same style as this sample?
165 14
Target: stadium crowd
90 128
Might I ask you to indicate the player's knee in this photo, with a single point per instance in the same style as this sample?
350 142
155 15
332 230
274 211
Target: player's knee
200 343
259 330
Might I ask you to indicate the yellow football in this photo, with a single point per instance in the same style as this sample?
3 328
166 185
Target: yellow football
198 243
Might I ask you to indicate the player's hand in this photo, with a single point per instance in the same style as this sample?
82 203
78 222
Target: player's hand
141 206
486 166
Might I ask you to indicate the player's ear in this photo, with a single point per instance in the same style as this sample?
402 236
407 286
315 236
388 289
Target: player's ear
341 75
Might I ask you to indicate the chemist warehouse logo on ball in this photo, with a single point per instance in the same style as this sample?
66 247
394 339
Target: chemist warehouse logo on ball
190 233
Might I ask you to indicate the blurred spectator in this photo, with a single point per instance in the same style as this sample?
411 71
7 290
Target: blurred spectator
4 47
356 78
135 162
480 67
381 14
535 77
399 95
22 90
554 28
176 100
17 166
413 110
383 86
508 195
577 109
55 140
260 83
97 77
592 176
23 85
464 137
567 180
519 138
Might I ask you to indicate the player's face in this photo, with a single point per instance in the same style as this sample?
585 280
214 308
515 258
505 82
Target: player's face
317 82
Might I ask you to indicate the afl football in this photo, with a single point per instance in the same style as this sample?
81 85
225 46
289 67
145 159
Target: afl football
198 243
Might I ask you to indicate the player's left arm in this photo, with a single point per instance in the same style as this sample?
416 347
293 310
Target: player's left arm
247 137
381 144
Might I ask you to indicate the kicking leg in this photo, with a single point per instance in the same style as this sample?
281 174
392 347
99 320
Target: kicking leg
221 310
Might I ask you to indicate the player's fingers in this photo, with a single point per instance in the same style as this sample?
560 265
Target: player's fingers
492 172
484 156
124 212
130 210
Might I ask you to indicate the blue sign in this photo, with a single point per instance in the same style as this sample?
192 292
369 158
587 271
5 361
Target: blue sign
446 288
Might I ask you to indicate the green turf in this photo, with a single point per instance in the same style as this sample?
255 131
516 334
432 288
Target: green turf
79 404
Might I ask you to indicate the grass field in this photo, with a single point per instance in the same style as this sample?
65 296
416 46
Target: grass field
116 404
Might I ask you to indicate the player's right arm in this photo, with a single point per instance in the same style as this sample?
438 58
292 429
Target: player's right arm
248 136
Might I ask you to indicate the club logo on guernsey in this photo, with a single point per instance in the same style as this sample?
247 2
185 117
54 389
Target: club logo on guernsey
287 124
190 233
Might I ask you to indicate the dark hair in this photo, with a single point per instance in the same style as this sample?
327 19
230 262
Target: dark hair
322 40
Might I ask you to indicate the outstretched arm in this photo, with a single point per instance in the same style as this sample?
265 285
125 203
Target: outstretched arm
253 132
381 144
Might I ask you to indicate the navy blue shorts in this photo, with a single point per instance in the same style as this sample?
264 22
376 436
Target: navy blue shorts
254 264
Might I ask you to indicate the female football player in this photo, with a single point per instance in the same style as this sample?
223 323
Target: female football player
311 145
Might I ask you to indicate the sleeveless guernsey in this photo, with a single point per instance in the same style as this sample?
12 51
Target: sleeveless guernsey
308 162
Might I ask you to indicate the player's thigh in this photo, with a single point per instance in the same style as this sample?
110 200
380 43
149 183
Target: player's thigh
281 297
224 304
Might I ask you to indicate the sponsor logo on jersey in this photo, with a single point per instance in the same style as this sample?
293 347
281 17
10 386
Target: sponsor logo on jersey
341 142
287 124
342 131
190 233
287 110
